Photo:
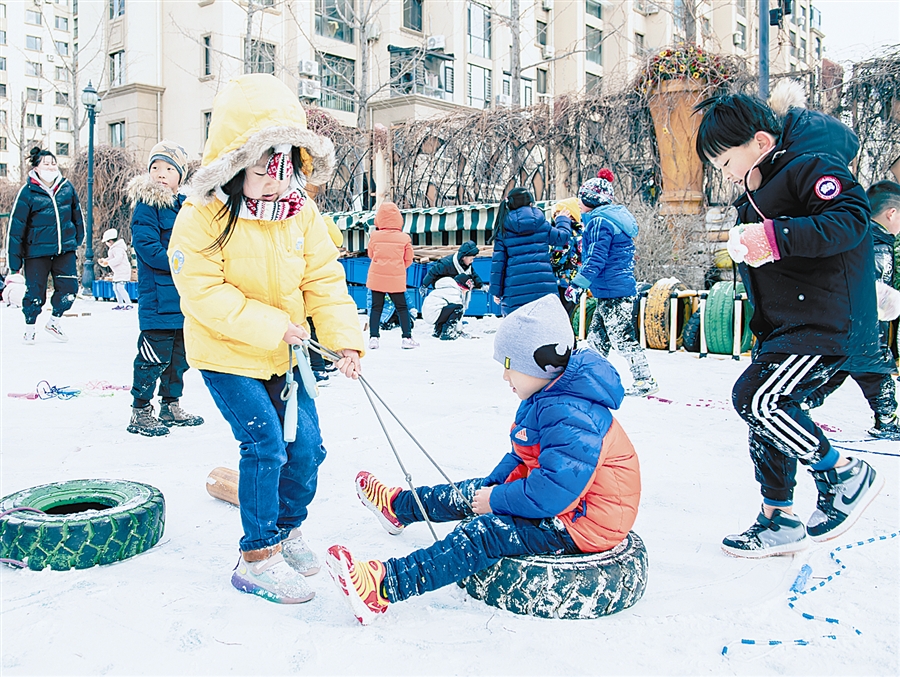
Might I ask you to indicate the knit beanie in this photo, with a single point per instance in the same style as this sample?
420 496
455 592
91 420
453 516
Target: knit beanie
172 153
599 191
536 339
388 216
464 280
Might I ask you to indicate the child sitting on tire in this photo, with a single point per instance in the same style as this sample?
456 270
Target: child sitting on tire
570 485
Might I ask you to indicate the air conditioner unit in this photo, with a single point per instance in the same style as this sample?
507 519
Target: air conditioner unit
547 52
307 67
309 89
504 100
646 8
373 31
435 42
547 5
737 39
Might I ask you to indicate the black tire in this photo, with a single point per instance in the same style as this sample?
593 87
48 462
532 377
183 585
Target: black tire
84 523
565 586
690 336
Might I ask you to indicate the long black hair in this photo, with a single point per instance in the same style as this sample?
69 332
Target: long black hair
36 154
234 190
517 197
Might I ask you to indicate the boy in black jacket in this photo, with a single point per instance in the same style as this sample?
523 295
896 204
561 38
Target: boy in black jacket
805 254
459 263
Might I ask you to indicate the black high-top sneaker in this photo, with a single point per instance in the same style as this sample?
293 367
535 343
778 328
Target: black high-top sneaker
843 494
782 534
886 428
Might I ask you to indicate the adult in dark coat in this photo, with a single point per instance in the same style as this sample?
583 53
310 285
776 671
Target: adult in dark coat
520 267
45 229
459 263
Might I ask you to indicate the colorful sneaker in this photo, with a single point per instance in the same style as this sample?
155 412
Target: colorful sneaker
378 498
55 330
29 338
361 581
409 343
642 388
783 534
886 428
143 422
171 413
271 579
373 343
843 495
298 555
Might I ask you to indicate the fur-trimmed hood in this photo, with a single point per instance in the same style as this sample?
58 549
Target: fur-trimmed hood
143 188
786 94
250 115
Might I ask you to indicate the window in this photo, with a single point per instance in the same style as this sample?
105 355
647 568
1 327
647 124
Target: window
705 28
117 69
62 98
2 90
116 8
33 68
592 83
505 86
62 125
593 8
33 17
803 16
207 119
207 55
639 44
803 49
3 143
2 117
117 134
62 23
33 42
793 44
412 72
541 33
741 7
479 20
2 37
338 78
62 73
334 19
262 57
34 120
479 87
593 44
818 48
35 95
527 99
62 149
412 15
2 63
62 48
2 11
740 37
541 81
3 169
75 30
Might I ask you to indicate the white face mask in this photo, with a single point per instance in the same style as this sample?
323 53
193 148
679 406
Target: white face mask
48 175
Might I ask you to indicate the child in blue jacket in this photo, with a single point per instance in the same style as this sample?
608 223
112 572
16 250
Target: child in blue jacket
570 484
607 248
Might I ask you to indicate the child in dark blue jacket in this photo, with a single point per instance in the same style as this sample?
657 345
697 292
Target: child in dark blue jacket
607 269
161 354
805 254
570 484
520 267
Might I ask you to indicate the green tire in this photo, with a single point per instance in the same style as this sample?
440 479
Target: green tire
83 523
719 319
589 307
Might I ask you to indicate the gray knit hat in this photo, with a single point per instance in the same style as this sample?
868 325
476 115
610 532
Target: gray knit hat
536 339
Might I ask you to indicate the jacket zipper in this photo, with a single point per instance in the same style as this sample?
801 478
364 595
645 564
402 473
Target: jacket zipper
273 276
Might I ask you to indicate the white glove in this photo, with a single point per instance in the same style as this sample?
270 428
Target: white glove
888 302
736 249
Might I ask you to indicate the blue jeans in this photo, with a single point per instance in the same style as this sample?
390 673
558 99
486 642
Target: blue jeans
471 546
277 479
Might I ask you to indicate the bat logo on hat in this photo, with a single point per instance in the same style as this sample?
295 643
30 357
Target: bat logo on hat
546 356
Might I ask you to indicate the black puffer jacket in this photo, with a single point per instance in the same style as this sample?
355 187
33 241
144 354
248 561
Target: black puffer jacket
819 298
451 266
44 223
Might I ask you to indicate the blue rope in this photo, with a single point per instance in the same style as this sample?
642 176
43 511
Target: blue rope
798 589
45 391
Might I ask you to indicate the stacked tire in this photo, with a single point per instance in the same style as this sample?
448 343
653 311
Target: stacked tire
720 319
657 315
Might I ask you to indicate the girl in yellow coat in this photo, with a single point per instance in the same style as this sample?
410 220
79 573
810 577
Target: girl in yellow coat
252 259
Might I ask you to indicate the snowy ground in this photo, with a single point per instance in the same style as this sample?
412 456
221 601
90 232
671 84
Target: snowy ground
172 610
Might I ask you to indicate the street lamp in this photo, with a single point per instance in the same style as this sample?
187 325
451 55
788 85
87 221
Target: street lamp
91 103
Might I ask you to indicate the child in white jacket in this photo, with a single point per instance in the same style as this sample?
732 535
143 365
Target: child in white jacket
117 259
444 306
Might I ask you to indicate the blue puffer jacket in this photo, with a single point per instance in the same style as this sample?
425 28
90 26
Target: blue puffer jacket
607 248
155 209
520 267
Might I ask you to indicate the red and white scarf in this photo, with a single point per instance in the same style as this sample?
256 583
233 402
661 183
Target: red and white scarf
286 205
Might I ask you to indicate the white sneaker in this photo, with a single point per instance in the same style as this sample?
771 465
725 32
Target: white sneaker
409 343
55 330
29 339
271 579
373 343
298 555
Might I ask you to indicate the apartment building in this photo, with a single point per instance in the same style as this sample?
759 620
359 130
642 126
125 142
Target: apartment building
158 64
37 103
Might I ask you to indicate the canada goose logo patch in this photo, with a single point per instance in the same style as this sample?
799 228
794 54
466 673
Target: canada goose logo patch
828 187
522 435
177 261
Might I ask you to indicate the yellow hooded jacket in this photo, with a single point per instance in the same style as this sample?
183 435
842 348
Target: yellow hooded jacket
239 299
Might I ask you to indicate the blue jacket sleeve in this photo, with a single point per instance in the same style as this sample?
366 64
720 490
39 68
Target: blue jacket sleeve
16 235
832 226
570 450
146 237
560 231
499 474
77 218
598 250
498 268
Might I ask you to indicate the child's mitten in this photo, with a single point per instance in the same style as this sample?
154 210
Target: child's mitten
757 243
888 302
578 284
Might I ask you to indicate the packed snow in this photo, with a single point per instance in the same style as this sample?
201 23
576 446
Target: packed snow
172 610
